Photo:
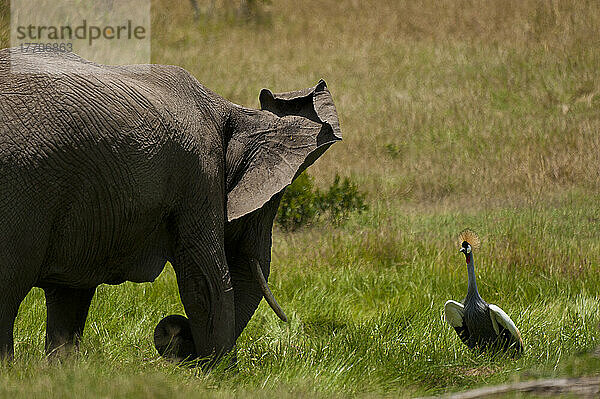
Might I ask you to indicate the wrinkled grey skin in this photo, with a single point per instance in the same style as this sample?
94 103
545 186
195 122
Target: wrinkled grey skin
107 173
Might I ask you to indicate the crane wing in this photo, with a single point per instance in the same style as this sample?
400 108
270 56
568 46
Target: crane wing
454 313
505 326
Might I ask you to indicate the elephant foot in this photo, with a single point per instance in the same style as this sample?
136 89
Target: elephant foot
173 339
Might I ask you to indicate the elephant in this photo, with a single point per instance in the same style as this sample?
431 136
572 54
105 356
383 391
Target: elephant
109 172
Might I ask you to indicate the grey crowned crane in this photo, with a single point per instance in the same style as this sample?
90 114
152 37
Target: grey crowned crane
480 325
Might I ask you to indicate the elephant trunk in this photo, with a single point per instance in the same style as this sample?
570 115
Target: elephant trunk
248 246
247 290
208 331
204 336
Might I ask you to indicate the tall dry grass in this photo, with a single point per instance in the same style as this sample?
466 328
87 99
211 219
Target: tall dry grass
440 102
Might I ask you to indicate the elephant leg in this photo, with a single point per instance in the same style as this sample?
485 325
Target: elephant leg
7 324
67 309
13 288
206 291
21 255
12 299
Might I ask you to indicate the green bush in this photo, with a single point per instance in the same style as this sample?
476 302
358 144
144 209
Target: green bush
341 199
298 205
302 202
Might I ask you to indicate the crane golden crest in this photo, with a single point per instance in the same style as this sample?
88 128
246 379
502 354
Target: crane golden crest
469 236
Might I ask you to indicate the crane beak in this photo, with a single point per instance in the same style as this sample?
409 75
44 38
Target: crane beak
462 250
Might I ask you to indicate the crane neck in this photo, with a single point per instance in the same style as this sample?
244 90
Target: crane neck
472 288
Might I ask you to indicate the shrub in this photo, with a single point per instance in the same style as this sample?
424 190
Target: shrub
302 203
298 205
342 198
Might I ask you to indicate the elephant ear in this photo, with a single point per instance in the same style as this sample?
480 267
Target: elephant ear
314 103
278 149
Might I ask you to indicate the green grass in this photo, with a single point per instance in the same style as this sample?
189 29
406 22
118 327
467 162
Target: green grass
365 303
455 114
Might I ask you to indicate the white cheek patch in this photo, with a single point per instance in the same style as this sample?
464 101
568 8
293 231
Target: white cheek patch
469 249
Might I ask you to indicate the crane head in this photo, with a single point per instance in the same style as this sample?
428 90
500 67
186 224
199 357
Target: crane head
468 240
465 248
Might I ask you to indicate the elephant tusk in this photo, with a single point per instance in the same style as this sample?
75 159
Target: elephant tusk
259 276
